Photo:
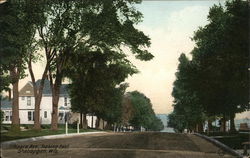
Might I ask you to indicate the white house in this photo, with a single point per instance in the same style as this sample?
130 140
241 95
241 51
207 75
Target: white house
27 106
6 107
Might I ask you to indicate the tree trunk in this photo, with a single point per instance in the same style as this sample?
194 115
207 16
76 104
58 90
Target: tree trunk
9 94
200 127
197 128
37 124
92 121
81 120
61 60
209 125
55 100
108 126
85 125
38 91
14 74
15 107
97 123
103 124
232 125
223 124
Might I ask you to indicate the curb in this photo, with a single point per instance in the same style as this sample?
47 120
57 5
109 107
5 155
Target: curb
9 143
220 145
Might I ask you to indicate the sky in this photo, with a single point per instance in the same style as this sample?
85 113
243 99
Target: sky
170 25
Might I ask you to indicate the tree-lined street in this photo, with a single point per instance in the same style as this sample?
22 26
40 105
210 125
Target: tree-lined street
123 145
89 51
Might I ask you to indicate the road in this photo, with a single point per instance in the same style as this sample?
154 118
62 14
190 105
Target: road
118 145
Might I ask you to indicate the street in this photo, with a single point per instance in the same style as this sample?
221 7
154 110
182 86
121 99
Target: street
118 145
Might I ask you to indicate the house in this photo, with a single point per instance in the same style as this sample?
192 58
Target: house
6 107
27 103
27 106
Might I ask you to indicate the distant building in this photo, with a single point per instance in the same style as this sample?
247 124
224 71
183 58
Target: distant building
27 106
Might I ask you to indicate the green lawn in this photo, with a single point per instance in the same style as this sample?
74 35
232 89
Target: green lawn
7 136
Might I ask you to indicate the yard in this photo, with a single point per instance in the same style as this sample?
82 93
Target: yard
7 135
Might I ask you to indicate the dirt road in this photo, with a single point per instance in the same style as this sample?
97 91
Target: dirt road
118 145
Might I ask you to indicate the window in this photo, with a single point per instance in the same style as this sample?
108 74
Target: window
6 118
28 101
65 101
30 115
45 114
7 115
23 98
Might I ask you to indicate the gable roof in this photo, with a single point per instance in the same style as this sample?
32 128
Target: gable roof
27 90
46 89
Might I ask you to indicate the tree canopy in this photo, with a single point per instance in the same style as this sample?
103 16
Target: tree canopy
143 113
215 82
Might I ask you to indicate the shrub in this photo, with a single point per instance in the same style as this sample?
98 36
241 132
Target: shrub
45 126
73 125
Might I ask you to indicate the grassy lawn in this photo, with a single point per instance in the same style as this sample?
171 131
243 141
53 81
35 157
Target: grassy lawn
7 136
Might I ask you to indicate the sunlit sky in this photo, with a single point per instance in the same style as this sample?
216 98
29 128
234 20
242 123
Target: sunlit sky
170 25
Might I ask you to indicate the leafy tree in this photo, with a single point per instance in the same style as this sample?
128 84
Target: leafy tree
16 33
215 81
156 124
68 26
143 114
186 103
94 84
222 58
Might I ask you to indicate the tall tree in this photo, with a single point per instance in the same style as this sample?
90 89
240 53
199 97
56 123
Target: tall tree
222 55
217 76
74 24
143 113
186 103
16 33
94 83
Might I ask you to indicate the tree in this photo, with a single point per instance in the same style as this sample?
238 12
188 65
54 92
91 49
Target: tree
16 33
68 25
94 87
186 103
215 82
222 58
143 114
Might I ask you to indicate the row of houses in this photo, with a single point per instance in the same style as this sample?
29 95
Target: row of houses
27 106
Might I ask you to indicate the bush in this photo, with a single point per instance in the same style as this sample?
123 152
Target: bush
73 125
27 126
45 126
5 127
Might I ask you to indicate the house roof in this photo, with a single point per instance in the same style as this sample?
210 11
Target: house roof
46 89
6 103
